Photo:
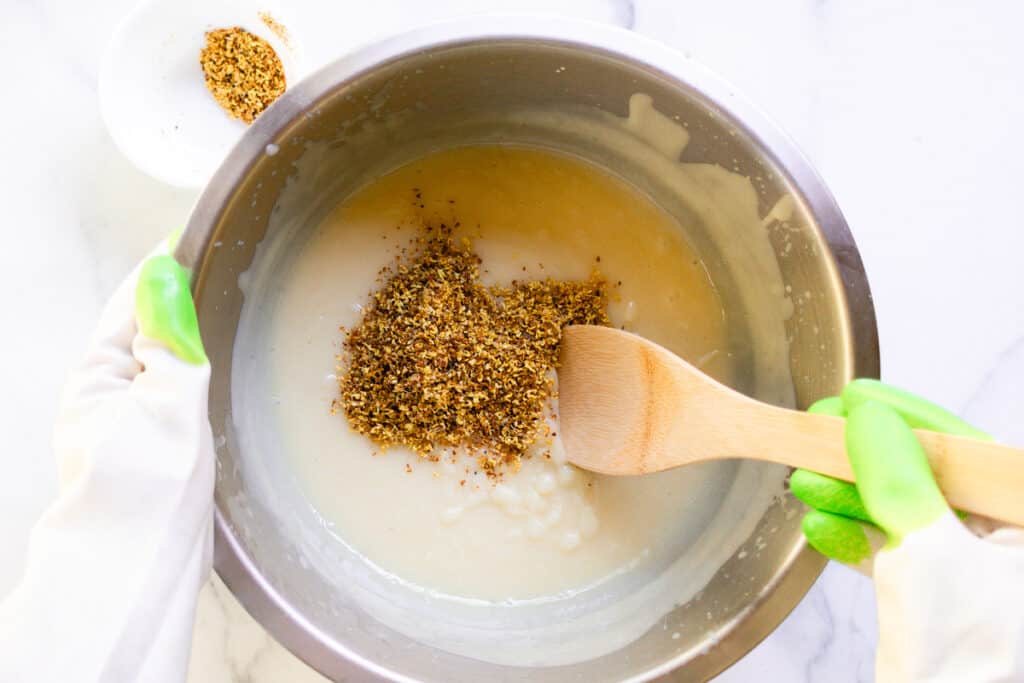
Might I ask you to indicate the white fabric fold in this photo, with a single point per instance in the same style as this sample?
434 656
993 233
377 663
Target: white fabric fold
115 564
951 606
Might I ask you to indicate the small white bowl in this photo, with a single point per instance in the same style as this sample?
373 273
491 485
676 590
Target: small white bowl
153 95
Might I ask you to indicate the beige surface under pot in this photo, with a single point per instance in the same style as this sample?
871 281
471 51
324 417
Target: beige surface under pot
512 81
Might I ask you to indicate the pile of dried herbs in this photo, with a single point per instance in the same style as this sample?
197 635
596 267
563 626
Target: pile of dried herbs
242 71
440 360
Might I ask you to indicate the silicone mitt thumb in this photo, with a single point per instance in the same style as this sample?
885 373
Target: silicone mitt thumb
164 308
894 478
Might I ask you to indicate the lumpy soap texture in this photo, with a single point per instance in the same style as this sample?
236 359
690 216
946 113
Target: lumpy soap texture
550 529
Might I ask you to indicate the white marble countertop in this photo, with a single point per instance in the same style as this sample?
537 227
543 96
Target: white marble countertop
910 110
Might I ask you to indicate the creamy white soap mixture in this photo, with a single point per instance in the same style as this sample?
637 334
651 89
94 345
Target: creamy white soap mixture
578 562
548 528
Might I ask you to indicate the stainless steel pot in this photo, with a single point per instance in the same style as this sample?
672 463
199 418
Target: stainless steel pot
427 80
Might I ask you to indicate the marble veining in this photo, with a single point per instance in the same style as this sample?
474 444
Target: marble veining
910 110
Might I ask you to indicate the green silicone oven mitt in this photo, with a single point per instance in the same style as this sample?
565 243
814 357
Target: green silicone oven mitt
895 493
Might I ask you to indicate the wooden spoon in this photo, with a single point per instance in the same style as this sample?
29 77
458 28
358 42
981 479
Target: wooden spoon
628 406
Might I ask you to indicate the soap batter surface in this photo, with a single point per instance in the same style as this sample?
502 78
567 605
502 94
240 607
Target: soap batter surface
549 530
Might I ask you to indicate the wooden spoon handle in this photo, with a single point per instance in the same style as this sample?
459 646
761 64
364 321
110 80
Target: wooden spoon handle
975 476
